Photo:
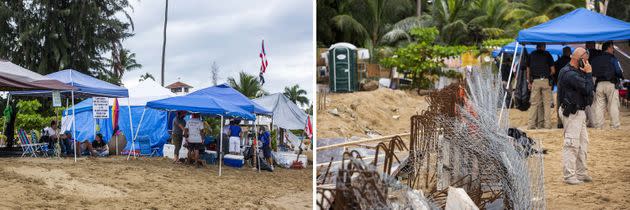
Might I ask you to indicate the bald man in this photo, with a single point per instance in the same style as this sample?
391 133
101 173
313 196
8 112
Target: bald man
575 92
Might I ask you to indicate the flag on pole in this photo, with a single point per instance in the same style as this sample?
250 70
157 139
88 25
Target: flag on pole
309 128
263 63
115 110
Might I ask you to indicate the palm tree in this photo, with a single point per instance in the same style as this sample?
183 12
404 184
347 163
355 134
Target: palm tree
125 62
247 84
365 22
146 76
534 12
491 16
164 41
296 95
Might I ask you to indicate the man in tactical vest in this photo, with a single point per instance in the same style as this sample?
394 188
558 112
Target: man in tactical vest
607 73
539 70
575 91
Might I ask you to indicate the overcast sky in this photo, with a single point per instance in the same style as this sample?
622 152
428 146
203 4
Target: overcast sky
228 32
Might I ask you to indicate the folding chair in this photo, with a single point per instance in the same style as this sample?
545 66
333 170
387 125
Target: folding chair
28 147
42 146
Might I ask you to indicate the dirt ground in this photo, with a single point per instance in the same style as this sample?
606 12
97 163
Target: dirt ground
383 111
146 183
608 152
608 162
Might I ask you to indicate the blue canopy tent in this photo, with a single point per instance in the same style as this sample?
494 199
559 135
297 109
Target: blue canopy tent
579 26
203 104
85 86
554 49
229 94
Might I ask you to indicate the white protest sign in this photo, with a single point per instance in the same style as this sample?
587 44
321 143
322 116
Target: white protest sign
100 107
56 96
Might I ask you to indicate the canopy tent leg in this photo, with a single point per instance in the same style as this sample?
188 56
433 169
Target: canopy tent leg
133 139
508 85
74 128
4 123
221 147
131 120
255 146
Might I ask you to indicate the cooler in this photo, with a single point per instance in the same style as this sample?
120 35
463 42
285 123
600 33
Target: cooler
233 160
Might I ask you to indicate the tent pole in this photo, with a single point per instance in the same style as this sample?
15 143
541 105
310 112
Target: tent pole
4 124
130 119
133 138
74 127
221 147
74 120
256 145
508 85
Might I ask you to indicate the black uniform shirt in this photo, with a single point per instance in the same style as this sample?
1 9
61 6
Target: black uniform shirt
540 63
576 86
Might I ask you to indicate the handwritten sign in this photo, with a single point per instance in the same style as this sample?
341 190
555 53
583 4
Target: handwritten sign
100 107
56 96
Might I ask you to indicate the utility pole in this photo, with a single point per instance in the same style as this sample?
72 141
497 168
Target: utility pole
164 41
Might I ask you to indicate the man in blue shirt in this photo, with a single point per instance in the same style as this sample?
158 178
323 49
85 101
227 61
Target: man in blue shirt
235 137
265 138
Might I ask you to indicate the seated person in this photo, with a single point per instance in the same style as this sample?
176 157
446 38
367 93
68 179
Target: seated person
99 147
86 147
66 143
50 136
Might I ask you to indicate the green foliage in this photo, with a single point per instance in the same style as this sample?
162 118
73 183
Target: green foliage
47 36
247 84
423 59
274 142
496 42
296 94
29 117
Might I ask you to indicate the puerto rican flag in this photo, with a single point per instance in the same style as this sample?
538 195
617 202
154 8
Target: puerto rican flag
263 59
309 128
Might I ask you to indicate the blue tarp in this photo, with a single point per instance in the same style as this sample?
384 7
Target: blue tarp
580 25
227 93
554 49
201 104
153 125
85 84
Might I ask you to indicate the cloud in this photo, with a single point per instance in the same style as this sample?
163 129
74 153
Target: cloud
226 32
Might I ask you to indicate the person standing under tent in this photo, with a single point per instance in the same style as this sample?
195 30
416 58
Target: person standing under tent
593 52
575 90
608 74
265 139
178 132
193 133
559 64
539 70
235 137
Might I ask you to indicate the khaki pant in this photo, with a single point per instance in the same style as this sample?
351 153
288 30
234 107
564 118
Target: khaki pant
575 146
541 93
606 96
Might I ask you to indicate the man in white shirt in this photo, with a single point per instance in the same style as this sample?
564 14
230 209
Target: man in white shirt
51 132
194 141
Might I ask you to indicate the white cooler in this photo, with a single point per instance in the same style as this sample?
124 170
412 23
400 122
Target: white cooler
169 151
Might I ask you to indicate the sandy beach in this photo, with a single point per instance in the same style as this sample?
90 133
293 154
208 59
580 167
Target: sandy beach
608 162
147 183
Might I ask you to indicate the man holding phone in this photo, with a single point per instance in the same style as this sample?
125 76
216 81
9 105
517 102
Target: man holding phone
575 92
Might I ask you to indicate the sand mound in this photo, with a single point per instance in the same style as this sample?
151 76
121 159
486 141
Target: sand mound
383 111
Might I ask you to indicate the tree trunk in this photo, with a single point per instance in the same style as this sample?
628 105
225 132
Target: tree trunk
164 41
418 8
